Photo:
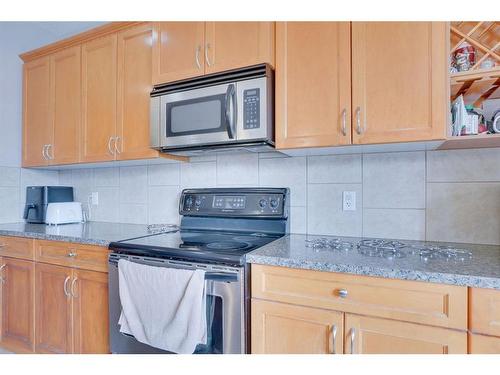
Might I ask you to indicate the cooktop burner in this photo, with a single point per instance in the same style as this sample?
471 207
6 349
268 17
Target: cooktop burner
227 245
391 249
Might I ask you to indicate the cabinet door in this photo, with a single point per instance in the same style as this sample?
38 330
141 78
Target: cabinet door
480 344
288 329
178 51
53 319
17 315
231 45
37 131
484 311
399 81
65 85
366 335
313 91
99 99
134 86
90 312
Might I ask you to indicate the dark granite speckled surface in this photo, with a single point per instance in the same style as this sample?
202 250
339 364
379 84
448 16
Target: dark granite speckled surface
90 233
482 270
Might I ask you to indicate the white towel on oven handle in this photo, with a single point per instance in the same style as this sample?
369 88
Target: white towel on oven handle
163 307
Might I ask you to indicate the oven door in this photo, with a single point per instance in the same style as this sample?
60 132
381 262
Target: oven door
225 309
198 117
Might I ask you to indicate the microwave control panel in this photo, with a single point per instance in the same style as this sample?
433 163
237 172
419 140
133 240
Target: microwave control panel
251 109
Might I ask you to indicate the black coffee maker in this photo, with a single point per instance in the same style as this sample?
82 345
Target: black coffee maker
38 197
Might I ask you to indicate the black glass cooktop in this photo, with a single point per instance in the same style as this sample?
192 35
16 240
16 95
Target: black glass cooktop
192 245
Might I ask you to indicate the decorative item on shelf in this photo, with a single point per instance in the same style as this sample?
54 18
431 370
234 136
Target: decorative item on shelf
487 64
494 124
464 57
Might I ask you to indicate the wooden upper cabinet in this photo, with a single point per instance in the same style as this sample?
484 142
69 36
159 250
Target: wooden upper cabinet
231 45
399 81
279 328
37 132
17 329
53 305
65 86
99 76
134 86
313 84
90 312
366 335
178 51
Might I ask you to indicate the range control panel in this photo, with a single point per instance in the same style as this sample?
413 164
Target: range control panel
251 109
258 202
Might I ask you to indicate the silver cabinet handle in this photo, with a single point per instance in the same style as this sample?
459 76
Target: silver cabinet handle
65 287
197 56
207 47
44 152
344 122
334 338
2 279
50 154
358 121
73 283
353 335
342 293
117 149
110 150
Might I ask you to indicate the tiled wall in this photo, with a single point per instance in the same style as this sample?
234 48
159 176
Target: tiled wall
435 195
13 182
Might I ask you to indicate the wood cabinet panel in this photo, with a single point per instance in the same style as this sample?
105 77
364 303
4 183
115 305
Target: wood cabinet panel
65 109
484 311
231 45
37 131
178 51
481 344
17 284
90 312
367 335
286 329
17 247
134 86
53 305
399 81
99 76
413 301
313 99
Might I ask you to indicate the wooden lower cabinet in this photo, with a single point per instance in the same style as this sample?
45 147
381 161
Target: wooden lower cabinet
279 328
367 335
481 344
53 309
90 312
71 310
17 307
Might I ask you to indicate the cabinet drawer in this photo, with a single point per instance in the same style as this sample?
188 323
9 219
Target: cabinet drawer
17 247
479 344
484 311
412 301
94 258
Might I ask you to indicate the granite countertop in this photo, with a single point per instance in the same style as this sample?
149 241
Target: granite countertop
89 233
482 270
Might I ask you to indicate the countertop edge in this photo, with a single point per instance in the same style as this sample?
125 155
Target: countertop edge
411 275
55 237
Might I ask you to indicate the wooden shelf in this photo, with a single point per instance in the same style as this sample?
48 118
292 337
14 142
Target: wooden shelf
471 141
476 85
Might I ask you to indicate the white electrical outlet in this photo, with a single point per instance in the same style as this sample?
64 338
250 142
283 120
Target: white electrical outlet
94 199
349 201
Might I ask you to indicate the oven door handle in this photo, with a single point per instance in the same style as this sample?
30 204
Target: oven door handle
221 277
230 120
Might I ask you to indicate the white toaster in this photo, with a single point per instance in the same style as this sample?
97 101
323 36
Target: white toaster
64 213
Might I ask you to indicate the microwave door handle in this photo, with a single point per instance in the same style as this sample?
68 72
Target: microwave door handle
230 120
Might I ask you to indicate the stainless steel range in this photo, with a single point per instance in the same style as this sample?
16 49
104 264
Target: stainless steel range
218 227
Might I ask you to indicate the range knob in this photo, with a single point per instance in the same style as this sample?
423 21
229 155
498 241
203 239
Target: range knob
197 202
274 203
189 201
263 203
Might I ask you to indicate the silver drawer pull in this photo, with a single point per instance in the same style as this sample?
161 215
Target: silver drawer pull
2 279
334 338
353 335
72 254
342 293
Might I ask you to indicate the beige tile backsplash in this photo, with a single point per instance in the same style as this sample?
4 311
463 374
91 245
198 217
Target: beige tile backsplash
434 195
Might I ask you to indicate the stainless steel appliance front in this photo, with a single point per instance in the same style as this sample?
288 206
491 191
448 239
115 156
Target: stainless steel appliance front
226 110
225 307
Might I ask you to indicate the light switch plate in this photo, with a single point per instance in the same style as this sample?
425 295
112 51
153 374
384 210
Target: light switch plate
349 201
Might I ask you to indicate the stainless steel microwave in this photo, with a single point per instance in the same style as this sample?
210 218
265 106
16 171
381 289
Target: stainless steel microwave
228 110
